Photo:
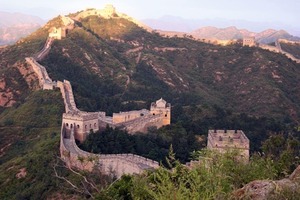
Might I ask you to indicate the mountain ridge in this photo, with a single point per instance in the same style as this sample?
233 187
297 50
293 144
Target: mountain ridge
181 24
14 26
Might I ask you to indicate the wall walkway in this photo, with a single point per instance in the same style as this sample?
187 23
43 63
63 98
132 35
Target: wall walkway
40 55
277 49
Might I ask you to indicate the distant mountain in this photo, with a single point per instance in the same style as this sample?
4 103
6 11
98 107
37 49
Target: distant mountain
13 26
231 33
179 24
222 29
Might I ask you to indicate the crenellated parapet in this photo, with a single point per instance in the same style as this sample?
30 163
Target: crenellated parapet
224 140
163 108
129 116
141 124
110 164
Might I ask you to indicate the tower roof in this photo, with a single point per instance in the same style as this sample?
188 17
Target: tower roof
161 103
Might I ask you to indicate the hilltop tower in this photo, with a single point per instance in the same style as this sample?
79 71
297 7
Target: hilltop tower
161 107
57 33
109 10
249 42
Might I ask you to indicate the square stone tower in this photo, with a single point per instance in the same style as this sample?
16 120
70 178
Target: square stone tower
249 42
224 140
57 33
161 107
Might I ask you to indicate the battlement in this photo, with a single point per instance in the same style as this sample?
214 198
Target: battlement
45 81
162 108
81 116
223 140
250 41
228 139
128 116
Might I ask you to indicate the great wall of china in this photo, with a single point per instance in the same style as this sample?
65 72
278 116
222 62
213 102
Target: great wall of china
277 48
77 124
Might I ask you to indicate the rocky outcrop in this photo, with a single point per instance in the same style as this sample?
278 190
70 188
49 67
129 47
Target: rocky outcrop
266 189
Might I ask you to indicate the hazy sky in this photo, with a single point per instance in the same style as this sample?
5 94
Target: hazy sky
282 11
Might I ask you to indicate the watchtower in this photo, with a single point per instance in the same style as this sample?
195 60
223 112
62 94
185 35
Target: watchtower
161 107
224 140
249 42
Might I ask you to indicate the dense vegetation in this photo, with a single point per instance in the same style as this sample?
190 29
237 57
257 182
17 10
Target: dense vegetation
215 177
154 145
30 135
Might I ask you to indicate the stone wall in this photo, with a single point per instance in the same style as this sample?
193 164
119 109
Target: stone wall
128 116
68 22
142 124
111 164
67 94
288 41
41 54
77 124
278 49
269 47
45 81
